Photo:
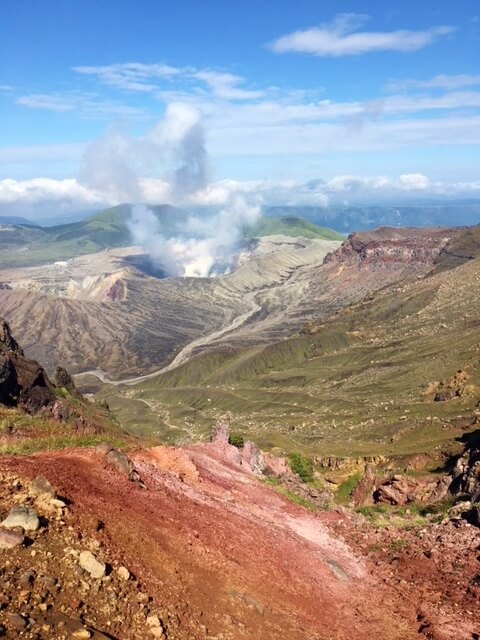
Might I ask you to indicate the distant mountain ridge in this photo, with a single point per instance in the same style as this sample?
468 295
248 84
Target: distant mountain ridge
108 229
15 220
345 219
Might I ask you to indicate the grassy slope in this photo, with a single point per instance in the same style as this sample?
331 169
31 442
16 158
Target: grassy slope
22 434
290 226
354 387
104 230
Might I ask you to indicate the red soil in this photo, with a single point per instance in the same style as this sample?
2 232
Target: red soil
223 555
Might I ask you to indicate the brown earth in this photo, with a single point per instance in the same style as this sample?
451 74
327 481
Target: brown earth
222 555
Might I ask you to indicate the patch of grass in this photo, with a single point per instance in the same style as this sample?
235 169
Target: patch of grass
404 517
291 496
22 434
302 466
346 488
28 446
437 508
370 512
399 545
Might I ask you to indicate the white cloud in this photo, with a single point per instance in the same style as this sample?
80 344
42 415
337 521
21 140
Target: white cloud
342 38
150 78
414 182
47 102
448 82
46 197
85 104
225 86
130 76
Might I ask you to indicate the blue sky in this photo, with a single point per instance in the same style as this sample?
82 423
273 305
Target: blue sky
376 100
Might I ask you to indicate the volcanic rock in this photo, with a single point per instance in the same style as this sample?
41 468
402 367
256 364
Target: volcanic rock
41 486
16 621
123 464
10 539
23 382
365 489
220 433
64 380
466 474
24 517
400 490
7 341
253 458
123 573
91 565
386 246
473 516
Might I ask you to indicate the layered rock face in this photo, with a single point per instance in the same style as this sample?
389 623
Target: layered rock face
386 246
23 382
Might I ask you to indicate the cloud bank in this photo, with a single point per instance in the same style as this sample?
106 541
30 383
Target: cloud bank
44 195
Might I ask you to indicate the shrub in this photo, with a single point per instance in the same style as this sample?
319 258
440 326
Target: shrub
237 440
302 466
346 488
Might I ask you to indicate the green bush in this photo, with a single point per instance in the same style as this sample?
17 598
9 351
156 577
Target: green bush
237 440
302 466
346 488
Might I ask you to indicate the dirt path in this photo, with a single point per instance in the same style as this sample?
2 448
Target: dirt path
223 553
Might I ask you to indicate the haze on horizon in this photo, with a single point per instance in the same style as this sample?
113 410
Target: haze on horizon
281 105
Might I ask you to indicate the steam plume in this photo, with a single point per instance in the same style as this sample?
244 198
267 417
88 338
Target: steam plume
205 248
206 243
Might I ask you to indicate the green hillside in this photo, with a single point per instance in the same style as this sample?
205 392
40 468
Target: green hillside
105 230
290 226
28 246
361 383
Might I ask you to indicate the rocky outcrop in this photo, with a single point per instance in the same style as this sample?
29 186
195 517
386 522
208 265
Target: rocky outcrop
7 342
363 493
121 463
253 458
245 453
221 433
25 385
466 475
387 245
23 382
64 380
453 388
401 490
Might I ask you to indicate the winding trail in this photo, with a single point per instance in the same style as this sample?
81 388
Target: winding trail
183 355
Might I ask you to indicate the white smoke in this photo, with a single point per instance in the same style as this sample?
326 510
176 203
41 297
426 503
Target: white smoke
206 247
176 146
206 244
180 135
